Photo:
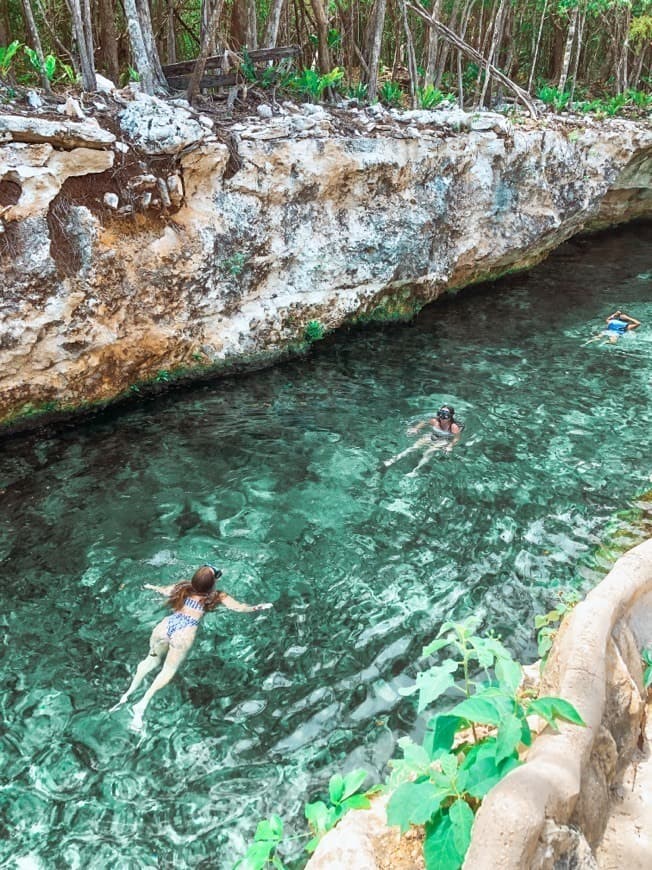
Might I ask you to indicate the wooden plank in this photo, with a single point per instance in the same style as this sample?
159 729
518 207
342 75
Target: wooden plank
260 55
180 83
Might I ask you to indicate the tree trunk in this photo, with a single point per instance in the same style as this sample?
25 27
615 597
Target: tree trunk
322 36
272 25
373 54
85 60
5 35
431 55
568 50
580 34
200 63
34 38
149 80
109 42
145 18
171 42
536 48
243 30
411 59
495 43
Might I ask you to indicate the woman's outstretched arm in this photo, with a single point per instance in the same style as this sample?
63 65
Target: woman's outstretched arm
232 604
162 590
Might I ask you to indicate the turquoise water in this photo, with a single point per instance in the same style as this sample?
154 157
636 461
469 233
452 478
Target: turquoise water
276 477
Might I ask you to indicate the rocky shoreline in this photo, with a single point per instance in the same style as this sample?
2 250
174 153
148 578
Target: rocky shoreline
142 241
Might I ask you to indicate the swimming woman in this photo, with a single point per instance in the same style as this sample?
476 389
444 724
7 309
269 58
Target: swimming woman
618 324
172 638
445 432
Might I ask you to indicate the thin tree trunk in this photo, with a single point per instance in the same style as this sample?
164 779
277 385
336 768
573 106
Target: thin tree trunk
85 60
431 56
568 49
322 36
147 31
5 35
411 59
109 41
376 38
580 34
139 52
495 42
272 24
34 38
536 49
172 36
200 63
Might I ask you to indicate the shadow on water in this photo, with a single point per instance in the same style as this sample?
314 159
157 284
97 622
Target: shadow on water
277 476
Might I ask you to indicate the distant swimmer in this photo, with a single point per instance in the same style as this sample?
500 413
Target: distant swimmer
444 433
618 324
172 638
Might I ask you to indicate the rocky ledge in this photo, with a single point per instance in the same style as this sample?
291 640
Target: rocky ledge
151 242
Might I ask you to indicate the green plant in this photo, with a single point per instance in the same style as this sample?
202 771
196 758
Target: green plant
235 263
321 815
429 97
614 104
390 93
640 99
162 376
646 655
446 777
313 331
46 68
554 97
342 797
313 85
68 73
357 91
262 851
547 625
7 54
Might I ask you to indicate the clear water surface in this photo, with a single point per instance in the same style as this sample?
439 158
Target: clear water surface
276 477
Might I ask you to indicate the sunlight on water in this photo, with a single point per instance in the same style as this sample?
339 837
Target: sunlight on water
278 478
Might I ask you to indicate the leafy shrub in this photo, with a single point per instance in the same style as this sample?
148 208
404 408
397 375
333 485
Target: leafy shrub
312 84
235 263
390 93
443 784
554 97
647 673
7 54
429 97
358 91
314 331
640 99
548 624
46 68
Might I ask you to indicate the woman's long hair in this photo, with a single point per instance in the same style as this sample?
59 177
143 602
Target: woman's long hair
203 584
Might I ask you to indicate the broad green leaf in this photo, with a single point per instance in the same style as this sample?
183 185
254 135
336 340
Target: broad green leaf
440 735
336 788
318 816
414 803
434 682
433 646
50 66
270 829
483 769
353 781
449 764
461 816
356 802
415 757
552 709
484 711
256 857
509 674
509 736
439 847
311 845
488 650
646 654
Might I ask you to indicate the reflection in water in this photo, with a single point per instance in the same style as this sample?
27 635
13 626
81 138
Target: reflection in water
277 477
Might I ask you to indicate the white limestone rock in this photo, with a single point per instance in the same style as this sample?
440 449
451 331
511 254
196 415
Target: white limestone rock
155 127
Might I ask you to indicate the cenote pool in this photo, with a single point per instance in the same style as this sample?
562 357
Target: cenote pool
276 477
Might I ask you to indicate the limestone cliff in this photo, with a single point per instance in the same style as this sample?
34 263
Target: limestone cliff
162 245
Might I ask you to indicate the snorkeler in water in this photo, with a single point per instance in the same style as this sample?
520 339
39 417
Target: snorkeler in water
618 324
444 433
172 638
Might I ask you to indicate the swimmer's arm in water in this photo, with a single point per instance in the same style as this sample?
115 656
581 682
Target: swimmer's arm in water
162 590
419 426
631 321
232 604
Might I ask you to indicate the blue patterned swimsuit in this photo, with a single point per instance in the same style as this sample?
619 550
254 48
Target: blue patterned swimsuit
178 620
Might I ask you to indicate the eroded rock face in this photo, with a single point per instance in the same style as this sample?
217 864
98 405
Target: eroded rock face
167 248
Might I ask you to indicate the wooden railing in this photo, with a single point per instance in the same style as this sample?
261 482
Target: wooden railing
225 67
